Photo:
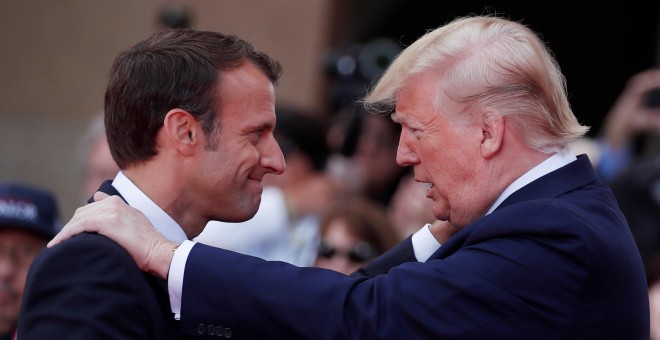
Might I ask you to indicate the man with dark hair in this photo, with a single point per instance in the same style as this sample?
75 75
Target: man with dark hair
28 219
535 248
189 117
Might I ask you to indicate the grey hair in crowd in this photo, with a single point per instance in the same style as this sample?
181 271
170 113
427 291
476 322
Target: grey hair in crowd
491 64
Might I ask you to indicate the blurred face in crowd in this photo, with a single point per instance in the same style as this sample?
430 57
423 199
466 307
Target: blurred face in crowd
410 208
342 251
374 158
228 179
17 250
99 167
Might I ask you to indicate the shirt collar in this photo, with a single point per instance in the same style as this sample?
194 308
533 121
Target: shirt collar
163 223
556 161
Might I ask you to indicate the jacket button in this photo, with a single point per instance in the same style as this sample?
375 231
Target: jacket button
228 332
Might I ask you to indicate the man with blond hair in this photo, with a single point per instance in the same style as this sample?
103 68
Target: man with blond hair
535 246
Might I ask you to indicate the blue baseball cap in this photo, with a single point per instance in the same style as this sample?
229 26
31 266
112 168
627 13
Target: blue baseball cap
28 208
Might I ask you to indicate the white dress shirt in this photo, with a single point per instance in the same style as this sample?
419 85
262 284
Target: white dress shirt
424 244
163 223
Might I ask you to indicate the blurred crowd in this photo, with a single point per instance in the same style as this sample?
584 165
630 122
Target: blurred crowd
343 200
629 162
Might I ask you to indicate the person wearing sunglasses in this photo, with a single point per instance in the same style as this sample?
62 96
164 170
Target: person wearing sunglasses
353 233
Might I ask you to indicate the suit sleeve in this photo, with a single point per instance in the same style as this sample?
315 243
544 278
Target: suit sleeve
255 299
399 254
85 288
492 283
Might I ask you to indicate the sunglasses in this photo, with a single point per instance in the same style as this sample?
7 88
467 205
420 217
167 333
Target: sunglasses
362 252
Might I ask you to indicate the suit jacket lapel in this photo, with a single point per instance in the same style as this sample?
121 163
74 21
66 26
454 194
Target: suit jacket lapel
107 188
567 178
159 285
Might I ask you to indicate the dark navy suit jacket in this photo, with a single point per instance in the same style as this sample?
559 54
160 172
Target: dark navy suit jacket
555 261
89 288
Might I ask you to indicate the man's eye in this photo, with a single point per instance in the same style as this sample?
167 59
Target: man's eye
256 135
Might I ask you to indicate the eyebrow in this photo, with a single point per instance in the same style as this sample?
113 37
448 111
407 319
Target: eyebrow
260 127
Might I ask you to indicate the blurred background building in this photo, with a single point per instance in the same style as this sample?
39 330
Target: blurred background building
54 58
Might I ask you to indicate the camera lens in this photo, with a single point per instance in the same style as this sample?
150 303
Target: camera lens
652 98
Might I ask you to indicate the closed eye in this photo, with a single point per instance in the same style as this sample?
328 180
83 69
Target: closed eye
256 135
417 133
259 133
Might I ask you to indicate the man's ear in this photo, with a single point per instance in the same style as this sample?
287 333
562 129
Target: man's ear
493 129
182 130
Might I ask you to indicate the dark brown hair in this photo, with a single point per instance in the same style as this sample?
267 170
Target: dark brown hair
177 68
366 220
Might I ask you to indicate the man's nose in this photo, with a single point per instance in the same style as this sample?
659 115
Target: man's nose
273 159
7 266
405 156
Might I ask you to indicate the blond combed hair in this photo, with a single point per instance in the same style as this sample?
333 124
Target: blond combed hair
492 64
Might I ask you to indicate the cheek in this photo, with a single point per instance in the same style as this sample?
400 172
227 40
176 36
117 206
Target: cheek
446 162
434 154
246 162
232 162
19 280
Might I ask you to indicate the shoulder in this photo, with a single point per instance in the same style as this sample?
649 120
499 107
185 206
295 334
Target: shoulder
84 245
584 228
588 208
87 253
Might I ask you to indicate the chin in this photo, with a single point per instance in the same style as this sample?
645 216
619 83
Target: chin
241 214
236 218
441 214
250 215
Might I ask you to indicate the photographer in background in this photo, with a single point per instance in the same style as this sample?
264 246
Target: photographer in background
630 158
634 116
362 146
631 164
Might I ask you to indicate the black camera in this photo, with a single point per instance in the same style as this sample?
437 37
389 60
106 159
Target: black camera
652 98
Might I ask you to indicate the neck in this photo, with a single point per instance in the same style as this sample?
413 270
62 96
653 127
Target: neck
511 164
165 190
515 165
